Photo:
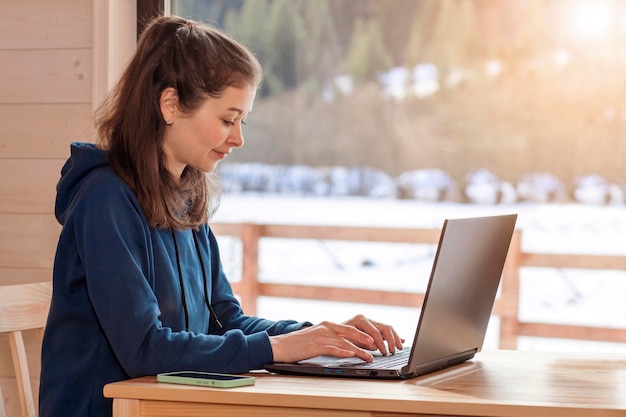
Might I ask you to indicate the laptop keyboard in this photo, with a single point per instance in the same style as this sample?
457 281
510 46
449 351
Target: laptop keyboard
397 360
400 358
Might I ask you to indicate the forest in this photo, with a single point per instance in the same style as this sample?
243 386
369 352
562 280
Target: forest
509 86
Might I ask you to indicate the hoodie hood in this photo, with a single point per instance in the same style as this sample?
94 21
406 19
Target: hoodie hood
84 159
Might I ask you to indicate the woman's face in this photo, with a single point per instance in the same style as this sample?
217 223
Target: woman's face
206 136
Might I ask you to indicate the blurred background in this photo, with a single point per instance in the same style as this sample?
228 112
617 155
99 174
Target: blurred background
524 92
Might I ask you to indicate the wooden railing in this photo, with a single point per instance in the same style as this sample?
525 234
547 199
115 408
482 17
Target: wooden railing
506 307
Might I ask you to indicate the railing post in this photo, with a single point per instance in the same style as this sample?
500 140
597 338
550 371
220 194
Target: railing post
509 319
249 286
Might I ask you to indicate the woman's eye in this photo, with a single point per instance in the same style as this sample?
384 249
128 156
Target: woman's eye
228 122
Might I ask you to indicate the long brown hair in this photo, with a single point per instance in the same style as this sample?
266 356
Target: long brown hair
198 62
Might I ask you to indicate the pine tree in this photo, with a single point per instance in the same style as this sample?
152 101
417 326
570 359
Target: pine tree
421 33
323 51
367 55
247 28
285 41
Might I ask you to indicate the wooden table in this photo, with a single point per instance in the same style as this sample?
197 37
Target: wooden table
495 383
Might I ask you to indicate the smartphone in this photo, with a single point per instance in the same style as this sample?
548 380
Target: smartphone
206 379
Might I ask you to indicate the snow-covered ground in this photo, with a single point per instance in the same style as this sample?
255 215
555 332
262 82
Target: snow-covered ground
547 295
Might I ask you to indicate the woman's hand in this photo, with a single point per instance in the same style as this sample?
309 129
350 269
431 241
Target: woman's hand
352 338
379 332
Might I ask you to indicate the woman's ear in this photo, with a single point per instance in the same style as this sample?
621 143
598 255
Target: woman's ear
168 103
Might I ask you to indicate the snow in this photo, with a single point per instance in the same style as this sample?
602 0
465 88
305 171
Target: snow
584 297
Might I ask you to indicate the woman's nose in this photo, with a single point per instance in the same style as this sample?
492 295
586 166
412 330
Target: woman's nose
236 137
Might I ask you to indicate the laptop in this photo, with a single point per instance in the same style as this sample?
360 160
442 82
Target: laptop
455 313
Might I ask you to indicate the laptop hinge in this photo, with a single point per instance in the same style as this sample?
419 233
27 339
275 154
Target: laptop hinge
438 364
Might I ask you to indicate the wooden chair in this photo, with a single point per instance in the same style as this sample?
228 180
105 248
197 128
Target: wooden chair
23 307
2 410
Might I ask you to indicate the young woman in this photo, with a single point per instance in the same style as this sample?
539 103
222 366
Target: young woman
138 284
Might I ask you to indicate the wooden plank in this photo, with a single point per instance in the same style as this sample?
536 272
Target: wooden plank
350 295
226 229
45 24
29 186
24 306
126 408
43 130
368 234
509 294
565 331
249 288
114 42
46 76
28 240
582 261
10 276
131 408
350 233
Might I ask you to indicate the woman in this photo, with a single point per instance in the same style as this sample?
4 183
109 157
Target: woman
138 284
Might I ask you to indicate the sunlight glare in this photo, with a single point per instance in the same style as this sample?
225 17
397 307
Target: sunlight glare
592 19
561 58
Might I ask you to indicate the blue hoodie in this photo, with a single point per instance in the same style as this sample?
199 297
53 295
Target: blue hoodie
119 307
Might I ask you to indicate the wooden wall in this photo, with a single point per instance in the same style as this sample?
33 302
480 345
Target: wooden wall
48 54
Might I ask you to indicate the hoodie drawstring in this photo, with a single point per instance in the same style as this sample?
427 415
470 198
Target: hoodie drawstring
204 277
